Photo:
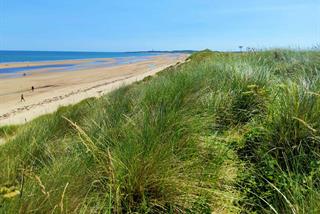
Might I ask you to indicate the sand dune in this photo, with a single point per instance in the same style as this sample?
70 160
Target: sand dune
54 89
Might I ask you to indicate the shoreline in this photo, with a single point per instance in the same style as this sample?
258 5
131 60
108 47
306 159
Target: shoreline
15 64
67 61
54 62
64 88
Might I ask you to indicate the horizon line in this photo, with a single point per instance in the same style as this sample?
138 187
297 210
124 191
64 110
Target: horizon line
87 51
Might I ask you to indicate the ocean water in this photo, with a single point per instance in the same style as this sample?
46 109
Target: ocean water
34 56
49 56
27 68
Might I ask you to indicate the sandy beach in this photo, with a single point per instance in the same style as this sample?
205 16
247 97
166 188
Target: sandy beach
55 89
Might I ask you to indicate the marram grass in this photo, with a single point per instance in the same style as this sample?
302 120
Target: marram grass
221 133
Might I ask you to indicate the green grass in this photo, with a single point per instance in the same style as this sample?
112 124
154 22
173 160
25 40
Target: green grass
222 133
8 131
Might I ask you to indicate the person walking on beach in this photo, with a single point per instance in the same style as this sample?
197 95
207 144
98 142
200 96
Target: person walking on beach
22 98
32 88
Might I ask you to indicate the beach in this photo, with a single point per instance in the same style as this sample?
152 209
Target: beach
53 89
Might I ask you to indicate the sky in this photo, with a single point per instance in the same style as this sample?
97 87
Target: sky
135 25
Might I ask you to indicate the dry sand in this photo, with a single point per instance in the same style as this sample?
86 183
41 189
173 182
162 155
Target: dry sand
55 89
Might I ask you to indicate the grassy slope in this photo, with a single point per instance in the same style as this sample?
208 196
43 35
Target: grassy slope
221 133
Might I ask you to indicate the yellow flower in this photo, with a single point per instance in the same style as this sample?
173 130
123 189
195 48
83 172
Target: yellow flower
11 194
4 190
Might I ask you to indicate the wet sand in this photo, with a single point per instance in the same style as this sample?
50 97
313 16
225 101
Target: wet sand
57 62
55 89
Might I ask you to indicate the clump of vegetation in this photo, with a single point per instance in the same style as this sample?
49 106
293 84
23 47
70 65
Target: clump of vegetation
221 133
8 131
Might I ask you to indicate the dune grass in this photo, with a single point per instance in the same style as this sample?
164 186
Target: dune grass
222 133
8 131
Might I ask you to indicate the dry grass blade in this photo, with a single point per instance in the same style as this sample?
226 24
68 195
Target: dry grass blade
62 198
305 124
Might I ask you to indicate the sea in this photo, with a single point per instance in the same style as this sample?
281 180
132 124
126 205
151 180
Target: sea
7 57
35 56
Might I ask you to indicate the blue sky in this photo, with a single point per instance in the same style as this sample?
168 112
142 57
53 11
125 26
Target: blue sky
128 25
